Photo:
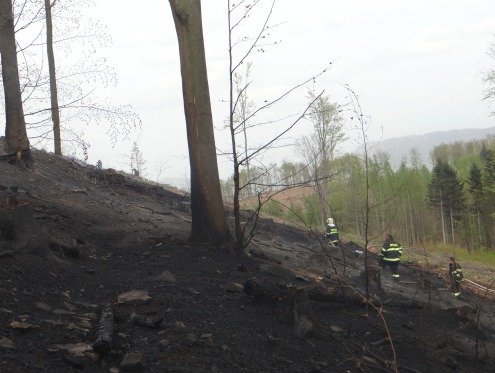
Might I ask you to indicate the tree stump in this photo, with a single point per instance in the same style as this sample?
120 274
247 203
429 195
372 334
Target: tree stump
291 305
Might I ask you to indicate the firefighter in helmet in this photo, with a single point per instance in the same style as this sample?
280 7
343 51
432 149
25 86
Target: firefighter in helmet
390 255
456 276
332 232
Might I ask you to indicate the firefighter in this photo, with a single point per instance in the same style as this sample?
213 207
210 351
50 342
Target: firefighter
332 232
390 255
456 276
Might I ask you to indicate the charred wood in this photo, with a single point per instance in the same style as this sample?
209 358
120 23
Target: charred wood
104 340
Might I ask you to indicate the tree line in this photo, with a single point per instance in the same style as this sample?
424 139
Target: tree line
450 203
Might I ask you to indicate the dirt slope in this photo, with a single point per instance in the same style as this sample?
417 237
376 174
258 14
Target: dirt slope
124 235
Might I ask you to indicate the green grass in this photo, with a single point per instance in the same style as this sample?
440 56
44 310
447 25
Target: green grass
486 257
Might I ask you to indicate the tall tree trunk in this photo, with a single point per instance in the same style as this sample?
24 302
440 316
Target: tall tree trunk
443 220
53 79
209 223
15 128
452 226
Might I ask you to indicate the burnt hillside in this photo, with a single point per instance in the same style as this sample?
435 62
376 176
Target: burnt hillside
109 235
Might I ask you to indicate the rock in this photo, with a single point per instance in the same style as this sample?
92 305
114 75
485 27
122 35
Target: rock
193 291
167 276
59 311
43 306
206 340
133 361
22 325
234 287
114 370
164 343
180 327
69 306
134 297
78 349
146 321
191 337
6 344
336 329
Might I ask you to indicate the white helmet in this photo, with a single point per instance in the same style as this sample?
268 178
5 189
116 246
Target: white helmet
330 221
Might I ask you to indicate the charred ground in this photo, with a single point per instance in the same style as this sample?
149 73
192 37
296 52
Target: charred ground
112 234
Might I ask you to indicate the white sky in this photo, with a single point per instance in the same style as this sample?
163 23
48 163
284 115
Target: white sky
417 66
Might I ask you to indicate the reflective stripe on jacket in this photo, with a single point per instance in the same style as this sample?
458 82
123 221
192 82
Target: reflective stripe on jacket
456 273
391 252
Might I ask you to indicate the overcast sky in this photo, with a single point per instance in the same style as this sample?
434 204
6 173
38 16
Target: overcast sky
416 65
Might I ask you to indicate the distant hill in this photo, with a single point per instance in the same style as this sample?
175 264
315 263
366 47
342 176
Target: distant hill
399 147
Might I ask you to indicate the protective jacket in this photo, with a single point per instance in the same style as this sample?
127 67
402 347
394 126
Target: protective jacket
391 251
332 233
456 272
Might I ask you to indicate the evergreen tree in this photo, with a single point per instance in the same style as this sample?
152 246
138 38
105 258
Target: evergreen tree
476 193
446 194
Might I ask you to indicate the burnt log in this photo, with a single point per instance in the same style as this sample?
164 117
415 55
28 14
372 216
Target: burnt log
104 339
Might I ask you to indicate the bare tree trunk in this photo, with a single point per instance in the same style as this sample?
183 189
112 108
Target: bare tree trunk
209 223
443 220
237 209
15 128
452 226
53 79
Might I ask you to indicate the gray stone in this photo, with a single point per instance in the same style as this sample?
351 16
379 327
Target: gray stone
234 287
6 344
191 337
164 343
206 340
134 297
133 362
167 276
180 327
43 306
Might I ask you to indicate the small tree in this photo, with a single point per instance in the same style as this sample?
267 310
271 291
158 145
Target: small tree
138 163
318 148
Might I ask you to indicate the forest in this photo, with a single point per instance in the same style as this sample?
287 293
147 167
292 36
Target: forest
106 270
447 202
